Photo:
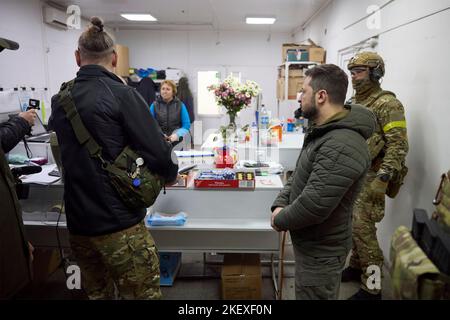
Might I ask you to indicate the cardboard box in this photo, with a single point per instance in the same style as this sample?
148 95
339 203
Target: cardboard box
295 85
244 180
296 55
123 64
241 276
317 54
293 72
173 74
290 46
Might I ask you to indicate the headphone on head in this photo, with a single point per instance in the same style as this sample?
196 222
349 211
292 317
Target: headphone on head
376 73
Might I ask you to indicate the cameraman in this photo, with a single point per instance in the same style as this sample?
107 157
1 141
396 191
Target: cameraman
16 254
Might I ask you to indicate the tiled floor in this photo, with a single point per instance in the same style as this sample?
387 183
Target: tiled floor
198 281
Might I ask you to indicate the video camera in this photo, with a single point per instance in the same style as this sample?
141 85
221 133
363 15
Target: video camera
33 104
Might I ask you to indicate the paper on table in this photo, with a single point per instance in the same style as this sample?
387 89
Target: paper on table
41 177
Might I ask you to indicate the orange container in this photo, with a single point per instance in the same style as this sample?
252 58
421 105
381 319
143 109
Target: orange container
279 131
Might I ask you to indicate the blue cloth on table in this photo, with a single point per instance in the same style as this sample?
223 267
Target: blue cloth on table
159 219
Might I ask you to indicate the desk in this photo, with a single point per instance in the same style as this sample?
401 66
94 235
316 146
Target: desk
218 220
286 152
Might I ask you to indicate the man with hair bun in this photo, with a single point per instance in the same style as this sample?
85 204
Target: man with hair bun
109 241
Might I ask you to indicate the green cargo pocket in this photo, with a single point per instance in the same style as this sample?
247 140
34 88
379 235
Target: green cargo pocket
311 279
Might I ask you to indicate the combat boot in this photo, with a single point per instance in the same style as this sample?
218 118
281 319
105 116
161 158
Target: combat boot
364 295
351 274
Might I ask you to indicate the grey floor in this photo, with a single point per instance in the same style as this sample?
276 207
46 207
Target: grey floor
197 280
189 286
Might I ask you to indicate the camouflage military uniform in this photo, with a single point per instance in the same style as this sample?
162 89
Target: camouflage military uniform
442 213
388 147
414 276
127 260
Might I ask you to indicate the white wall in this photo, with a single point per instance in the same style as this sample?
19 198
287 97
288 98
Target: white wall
248 52
418 70
45 57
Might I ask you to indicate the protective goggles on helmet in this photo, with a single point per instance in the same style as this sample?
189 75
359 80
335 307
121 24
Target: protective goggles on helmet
357 70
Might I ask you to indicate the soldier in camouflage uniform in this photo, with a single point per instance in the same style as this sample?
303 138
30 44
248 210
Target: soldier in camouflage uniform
388 147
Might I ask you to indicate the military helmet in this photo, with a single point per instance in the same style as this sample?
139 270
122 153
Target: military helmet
368 59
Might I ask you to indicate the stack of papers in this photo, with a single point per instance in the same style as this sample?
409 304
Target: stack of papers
161 219
42 177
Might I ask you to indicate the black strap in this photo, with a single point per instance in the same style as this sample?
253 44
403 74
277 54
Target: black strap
82 134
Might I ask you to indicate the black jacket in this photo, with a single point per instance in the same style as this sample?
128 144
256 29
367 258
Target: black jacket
15 268
318 198
93 207
189 103
147 89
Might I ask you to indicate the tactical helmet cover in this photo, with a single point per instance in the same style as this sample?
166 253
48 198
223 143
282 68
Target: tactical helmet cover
367 59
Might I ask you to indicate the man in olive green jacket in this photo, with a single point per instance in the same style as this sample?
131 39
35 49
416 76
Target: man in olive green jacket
316 203
15 251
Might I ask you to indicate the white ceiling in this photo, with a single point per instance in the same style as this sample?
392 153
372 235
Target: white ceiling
200 14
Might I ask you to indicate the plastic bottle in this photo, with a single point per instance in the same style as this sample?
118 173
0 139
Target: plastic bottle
264 118
300 124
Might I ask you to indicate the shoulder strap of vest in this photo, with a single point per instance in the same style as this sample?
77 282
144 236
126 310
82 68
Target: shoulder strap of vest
380 94
83 136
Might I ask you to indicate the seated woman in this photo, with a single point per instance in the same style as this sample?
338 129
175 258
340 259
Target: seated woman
170 113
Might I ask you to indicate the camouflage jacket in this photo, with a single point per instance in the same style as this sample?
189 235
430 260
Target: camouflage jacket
413 274
442 213
389 144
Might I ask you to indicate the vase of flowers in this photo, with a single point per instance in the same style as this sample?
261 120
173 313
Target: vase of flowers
234 96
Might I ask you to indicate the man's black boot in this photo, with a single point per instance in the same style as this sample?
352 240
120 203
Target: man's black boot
364 295
351 274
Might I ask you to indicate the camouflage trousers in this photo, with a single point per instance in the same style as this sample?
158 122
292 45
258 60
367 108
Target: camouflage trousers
126 261
317 278
368 210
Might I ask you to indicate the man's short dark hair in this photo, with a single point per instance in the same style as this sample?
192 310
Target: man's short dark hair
330 78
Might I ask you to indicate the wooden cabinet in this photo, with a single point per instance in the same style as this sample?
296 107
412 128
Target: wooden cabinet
123 64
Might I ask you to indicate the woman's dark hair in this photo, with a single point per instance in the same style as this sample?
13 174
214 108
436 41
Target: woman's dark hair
330 78
184 93
95 43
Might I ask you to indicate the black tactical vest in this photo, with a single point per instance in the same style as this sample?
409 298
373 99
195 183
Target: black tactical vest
168 115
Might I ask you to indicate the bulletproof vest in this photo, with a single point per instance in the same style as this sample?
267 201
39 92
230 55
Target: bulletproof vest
413 274
168 115
376 142
442 202
376 99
